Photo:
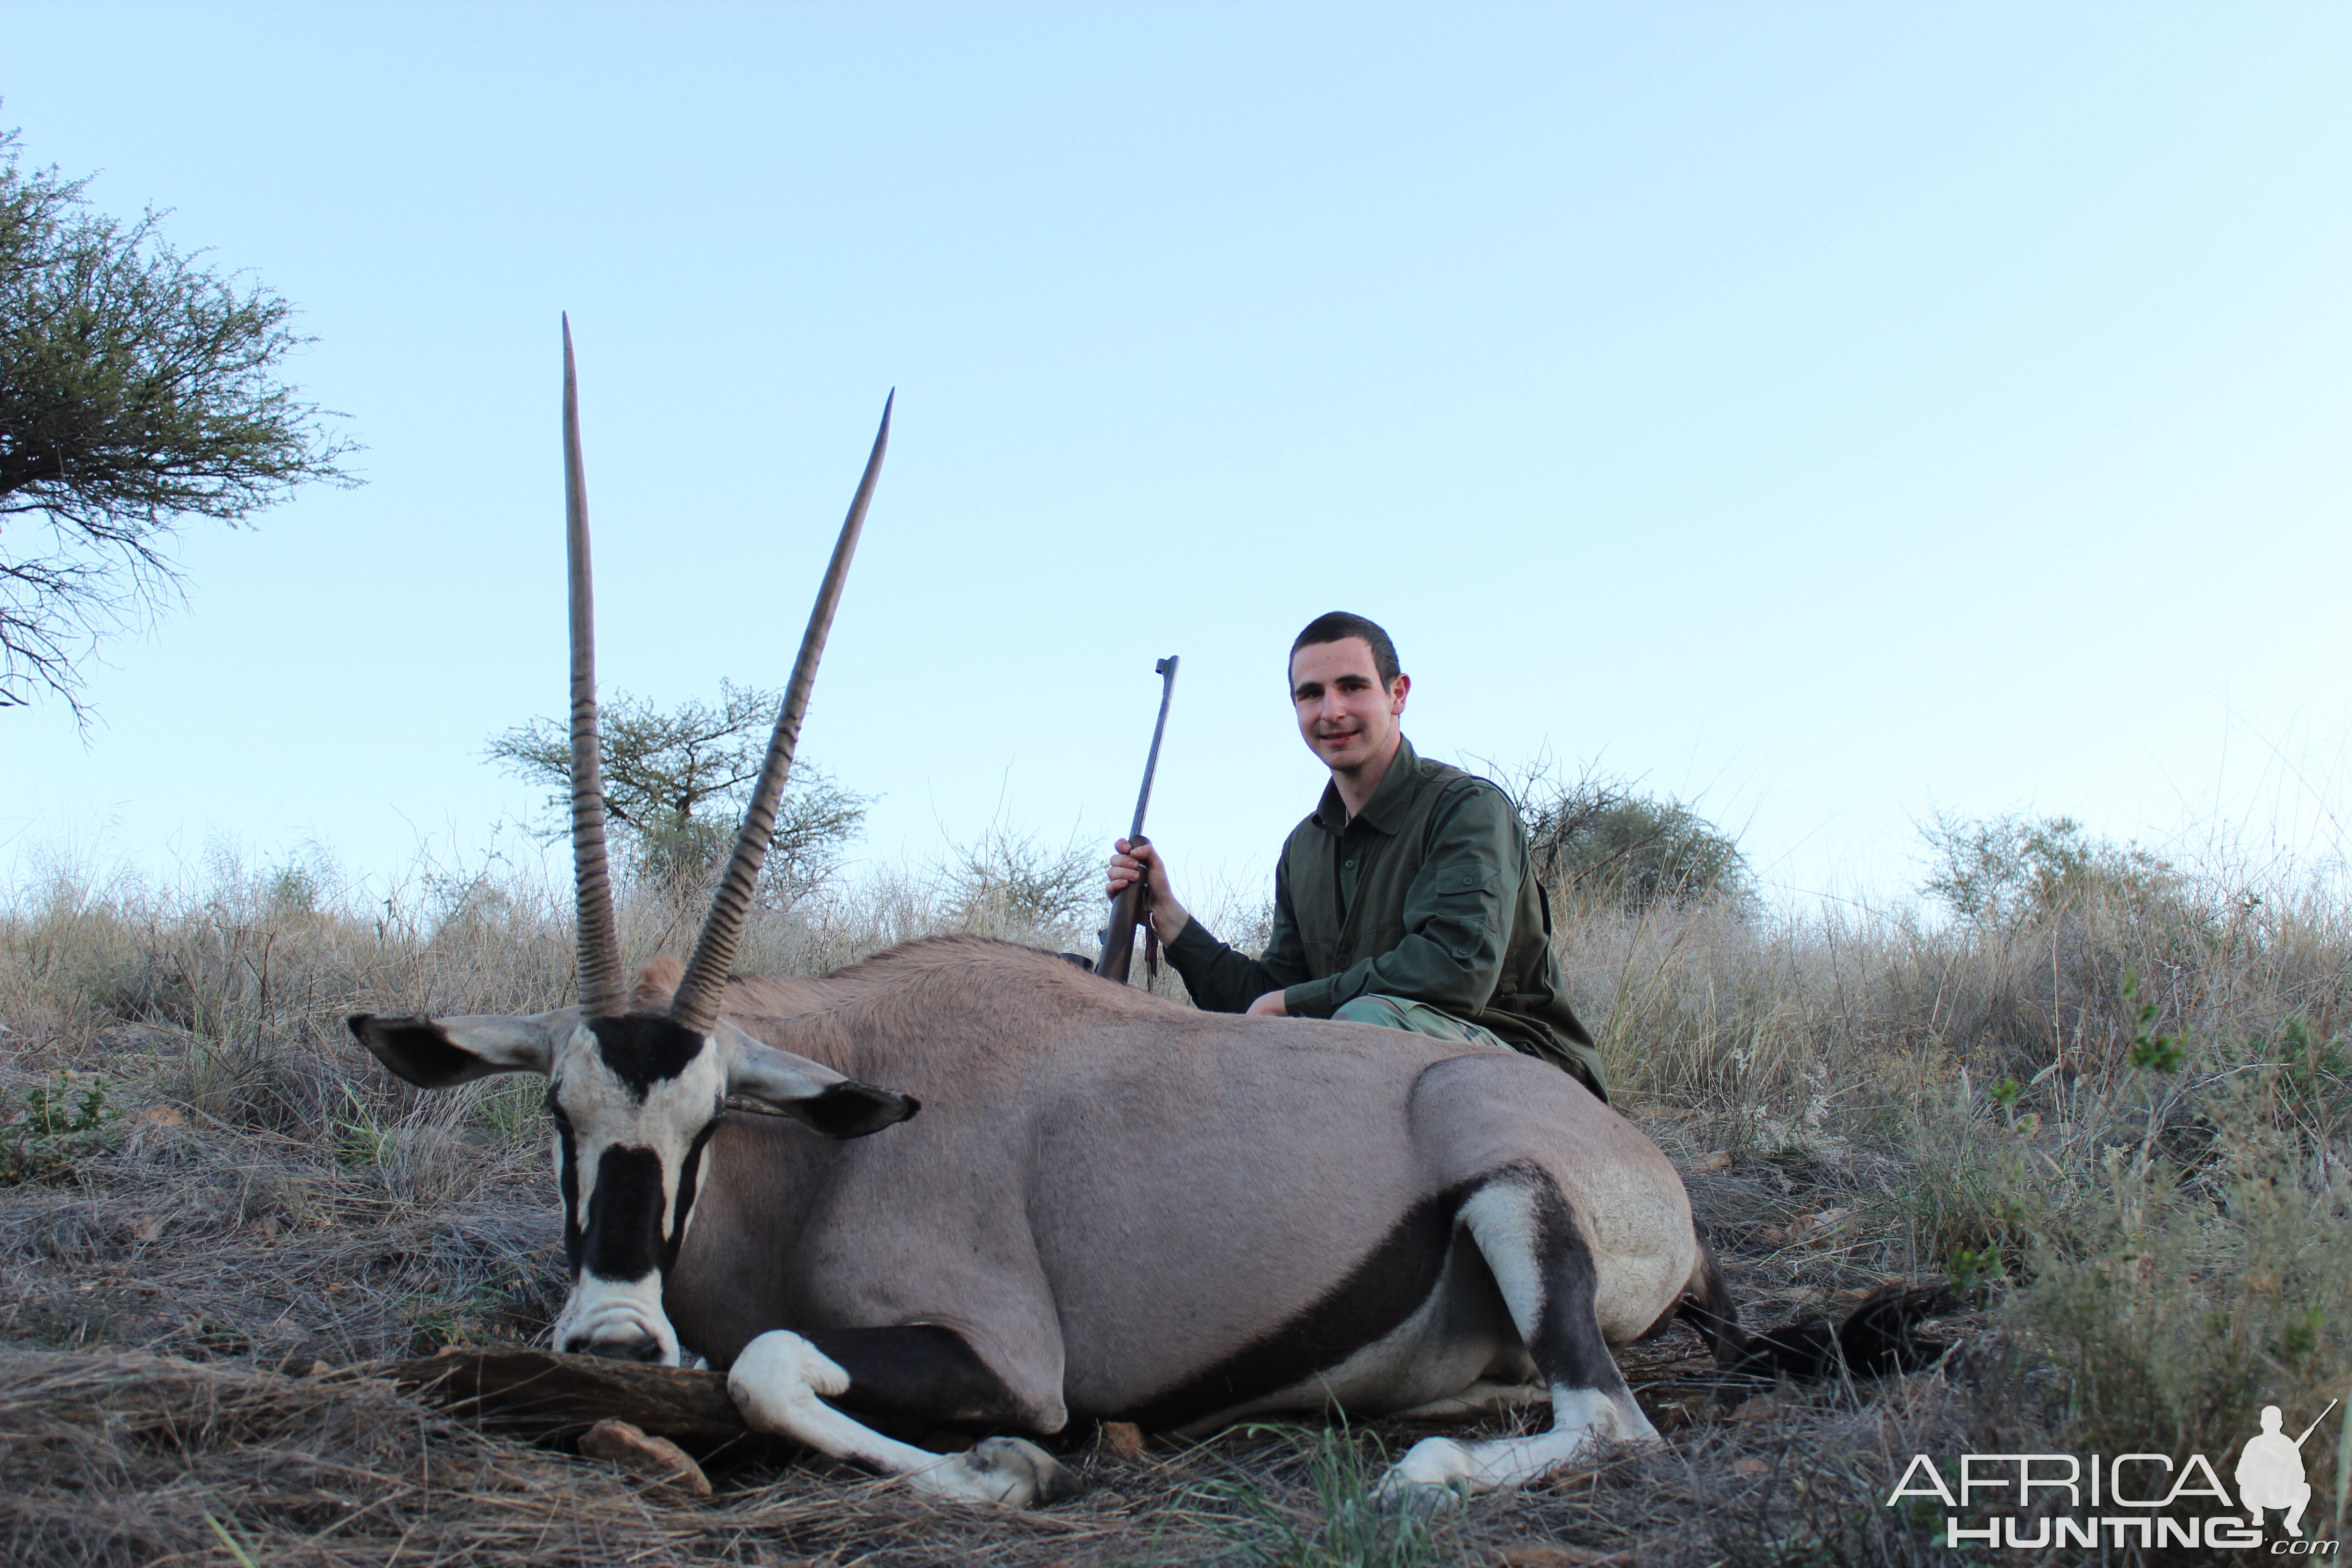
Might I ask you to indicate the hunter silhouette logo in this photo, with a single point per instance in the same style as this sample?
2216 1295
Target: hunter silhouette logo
2269 1471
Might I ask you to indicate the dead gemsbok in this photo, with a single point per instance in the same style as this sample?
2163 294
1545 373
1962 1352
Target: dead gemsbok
1110 1206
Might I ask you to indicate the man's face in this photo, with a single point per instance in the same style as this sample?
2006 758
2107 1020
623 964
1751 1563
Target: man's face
1345 715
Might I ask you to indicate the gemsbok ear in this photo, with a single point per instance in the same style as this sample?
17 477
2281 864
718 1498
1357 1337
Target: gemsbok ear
816 1097
439 1052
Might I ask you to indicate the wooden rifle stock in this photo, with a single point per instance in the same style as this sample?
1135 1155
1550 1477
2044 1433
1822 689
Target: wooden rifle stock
1133 906
1127 913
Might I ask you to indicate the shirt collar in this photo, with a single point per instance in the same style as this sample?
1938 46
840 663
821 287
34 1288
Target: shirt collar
1388 800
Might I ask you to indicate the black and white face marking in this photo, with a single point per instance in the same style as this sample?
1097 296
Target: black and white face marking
634 1100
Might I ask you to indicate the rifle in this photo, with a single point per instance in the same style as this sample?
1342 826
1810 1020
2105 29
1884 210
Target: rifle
1133 905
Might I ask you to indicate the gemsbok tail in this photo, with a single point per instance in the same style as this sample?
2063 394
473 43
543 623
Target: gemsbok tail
1707 1306
1881 1335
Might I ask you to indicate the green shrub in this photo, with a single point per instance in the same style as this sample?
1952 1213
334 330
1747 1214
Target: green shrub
1637 849
2006 869
2207 1269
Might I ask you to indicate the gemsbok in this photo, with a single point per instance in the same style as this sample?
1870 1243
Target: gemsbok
1110 1206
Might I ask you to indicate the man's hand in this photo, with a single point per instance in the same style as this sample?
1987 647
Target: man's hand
1270 1006
1133 860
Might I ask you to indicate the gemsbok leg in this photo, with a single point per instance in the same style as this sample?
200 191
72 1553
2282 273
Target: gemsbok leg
780 1384
1529 1238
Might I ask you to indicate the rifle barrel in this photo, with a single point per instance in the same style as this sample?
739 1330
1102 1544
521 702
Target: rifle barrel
1166 670
1128 908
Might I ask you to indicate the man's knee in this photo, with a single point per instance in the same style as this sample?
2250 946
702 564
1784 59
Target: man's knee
1402 1013
1381 1011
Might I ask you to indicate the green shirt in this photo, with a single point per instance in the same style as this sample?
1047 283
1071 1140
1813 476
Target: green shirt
1429 894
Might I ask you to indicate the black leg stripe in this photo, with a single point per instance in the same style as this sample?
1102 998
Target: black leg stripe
1567 1346
918 1371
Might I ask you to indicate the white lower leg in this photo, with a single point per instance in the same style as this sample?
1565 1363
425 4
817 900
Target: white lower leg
1584 1421
1503 1220
780 1384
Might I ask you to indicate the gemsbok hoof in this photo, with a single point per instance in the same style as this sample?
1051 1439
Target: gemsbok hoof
1403 1496
1019 1474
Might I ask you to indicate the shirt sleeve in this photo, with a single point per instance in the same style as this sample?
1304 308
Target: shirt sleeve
1224 980
1457 916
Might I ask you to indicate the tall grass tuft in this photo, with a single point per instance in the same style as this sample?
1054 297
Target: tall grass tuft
1316 1510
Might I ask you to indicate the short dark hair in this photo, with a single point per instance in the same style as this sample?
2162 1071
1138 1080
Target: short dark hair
1339 626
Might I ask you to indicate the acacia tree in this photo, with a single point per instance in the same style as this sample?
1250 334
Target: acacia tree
677 783
137 388
1643 849
2005 871
1008 881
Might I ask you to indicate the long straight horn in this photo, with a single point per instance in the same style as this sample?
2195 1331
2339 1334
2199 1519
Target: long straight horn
695 1004
602 993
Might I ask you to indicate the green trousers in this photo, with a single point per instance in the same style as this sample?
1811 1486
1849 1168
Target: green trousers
1418 1017
1421 1018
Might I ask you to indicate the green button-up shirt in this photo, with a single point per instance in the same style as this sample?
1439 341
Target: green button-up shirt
1429 894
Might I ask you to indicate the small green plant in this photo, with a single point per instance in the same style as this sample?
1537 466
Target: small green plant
436 1322
2307 1058
362 1140
1971 1266
211 1337
512 1107
1970 1196
51 1127
2152 1052
2158 1053
50 1119
2297 1336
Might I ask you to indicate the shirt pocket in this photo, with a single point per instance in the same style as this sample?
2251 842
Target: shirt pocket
1464 918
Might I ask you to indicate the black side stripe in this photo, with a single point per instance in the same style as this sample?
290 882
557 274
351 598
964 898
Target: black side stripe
689 1171
1381 1291
1392 1282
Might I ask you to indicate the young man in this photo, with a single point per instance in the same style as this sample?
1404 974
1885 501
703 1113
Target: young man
1406 900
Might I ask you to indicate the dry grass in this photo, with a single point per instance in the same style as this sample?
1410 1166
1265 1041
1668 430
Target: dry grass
1854 1098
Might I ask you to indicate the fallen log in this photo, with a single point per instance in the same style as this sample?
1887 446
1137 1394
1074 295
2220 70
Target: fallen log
551 1398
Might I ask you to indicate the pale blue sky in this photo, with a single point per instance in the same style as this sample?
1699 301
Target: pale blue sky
1828 412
